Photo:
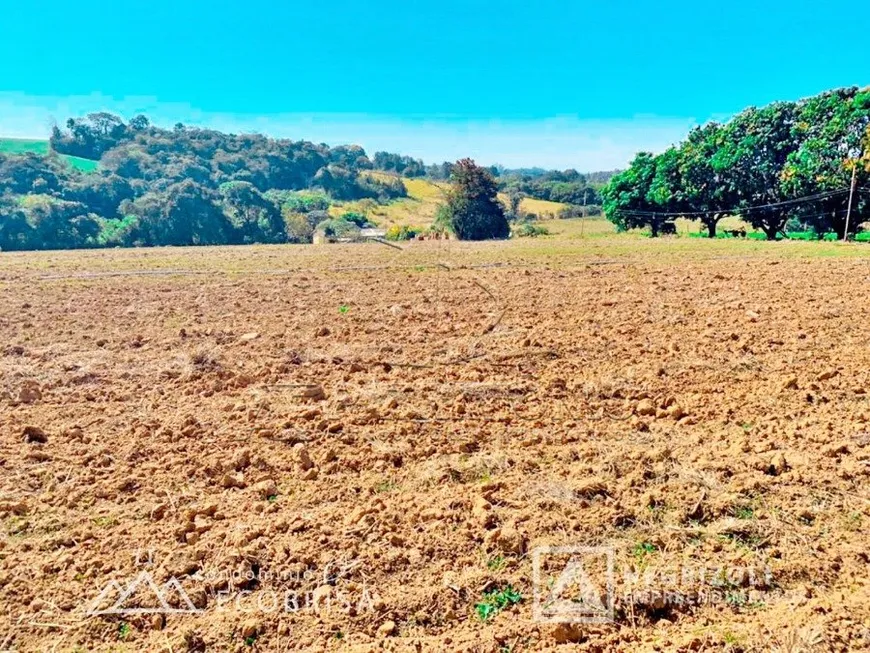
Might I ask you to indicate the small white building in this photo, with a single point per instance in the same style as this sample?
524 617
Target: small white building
372 232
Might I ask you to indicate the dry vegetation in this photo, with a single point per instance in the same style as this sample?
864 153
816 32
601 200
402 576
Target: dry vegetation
421 205
388 435
418 209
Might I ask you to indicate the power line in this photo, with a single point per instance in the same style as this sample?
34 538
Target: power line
799 200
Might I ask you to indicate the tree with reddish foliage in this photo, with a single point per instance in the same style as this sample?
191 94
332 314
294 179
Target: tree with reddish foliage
472 210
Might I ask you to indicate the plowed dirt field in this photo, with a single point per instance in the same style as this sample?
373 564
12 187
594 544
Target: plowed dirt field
359 448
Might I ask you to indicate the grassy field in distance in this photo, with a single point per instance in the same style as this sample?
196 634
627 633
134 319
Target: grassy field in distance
541 208
424 196
418 209
25 145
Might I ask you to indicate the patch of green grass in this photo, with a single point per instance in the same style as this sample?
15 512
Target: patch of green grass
748 541
739 600
26 145
730 638
744 512
23 146
77 162
495 601
853 521
17 526
123 630
386 486
735 599
272 498
642 549
495 563
104 521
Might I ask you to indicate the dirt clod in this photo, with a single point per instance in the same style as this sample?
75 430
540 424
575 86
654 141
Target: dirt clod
29 393
34 435
387 629
266 489
645 407
302 457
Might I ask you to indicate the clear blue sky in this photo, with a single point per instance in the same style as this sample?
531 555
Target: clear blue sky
552 82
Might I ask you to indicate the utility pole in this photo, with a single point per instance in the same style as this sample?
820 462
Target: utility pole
851 197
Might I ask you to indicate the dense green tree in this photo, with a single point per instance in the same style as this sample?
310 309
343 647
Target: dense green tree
299 227
58 224
832 129
183 214
139 123
515 198
299 202
28 173
666 188
630 199
565 186
15 232
89 137
351 157
254 217
756 145
707 195
472 208
788 161
102 194
440 171
402 165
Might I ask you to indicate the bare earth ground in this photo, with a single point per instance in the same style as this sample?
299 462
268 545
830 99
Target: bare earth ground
697 411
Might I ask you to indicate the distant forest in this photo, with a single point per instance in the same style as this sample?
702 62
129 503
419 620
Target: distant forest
191 186
565 186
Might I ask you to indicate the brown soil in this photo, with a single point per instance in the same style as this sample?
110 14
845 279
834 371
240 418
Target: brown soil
388 443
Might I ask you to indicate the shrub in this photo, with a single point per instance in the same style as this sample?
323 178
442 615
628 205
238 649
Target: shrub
298 202
357 218
529 230
338 228
575 211
297 227
403 232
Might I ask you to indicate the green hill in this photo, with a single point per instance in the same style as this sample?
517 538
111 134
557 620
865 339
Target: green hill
24 145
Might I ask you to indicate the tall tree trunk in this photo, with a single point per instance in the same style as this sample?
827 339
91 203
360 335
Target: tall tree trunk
711 227
655 229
